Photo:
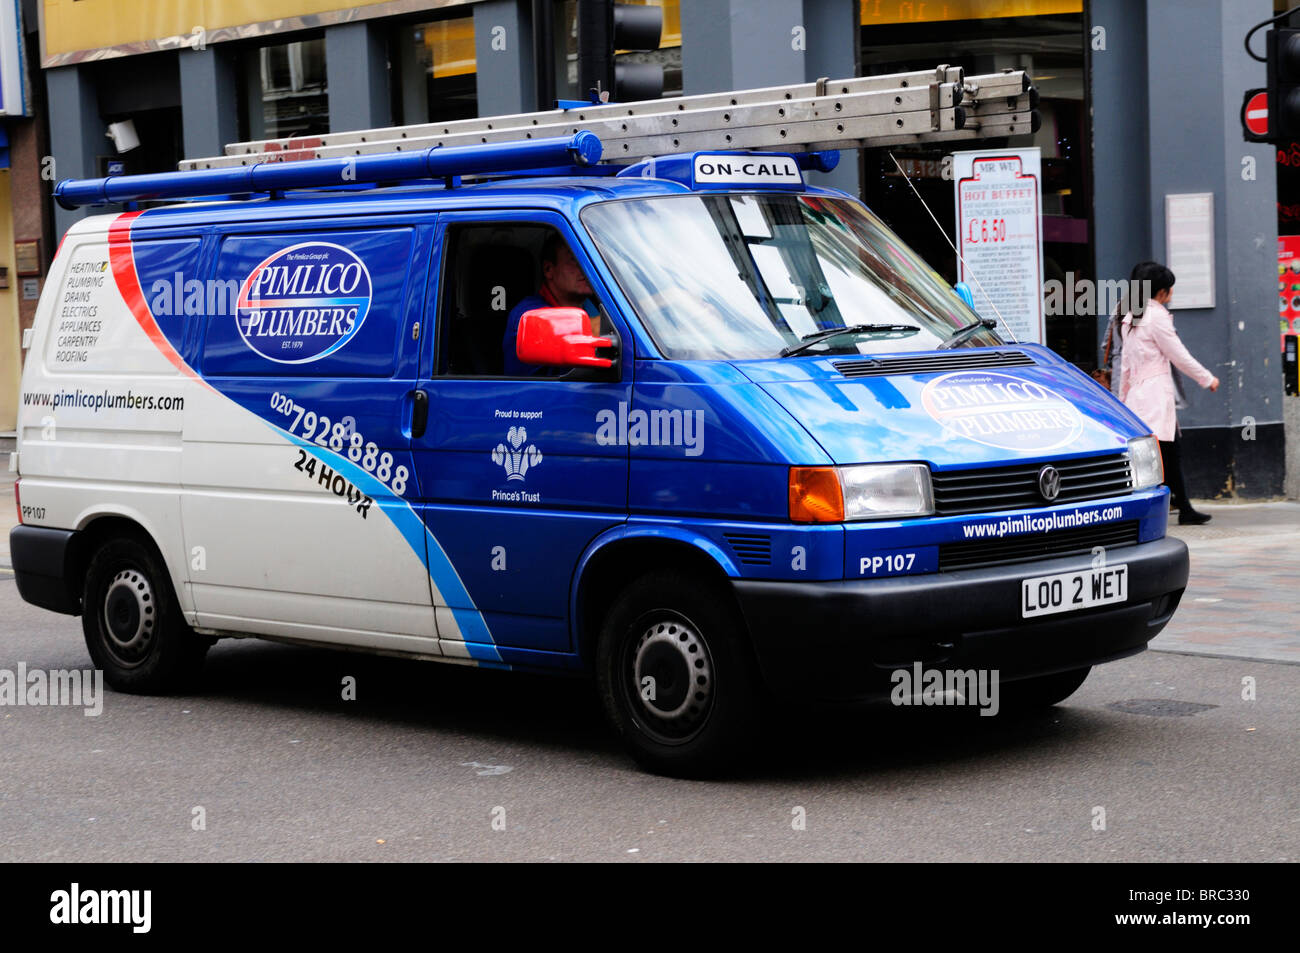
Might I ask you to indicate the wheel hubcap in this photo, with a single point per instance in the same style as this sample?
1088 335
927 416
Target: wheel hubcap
129 617
673 675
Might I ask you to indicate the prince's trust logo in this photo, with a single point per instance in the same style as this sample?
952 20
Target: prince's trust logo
514 456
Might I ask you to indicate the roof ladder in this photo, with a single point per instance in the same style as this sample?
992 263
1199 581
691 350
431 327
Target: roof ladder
938 105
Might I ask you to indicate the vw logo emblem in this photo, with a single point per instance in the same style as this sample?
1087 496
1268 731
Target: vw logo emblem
1049 483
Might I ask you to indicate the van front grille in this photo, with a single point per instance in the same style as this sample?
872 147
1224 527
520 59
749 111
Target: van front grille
1031 546
932 363
1016 487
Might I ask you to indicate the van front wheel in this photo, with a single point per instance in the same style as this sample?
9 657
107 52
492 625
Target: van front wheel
1044 691
675 675
133 624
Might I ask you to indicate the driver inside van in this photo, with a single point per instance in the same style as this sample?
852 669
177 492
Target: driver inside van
564 285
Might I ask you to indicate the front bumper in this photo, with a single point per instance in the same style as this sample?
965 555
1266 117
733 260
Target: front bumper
840 641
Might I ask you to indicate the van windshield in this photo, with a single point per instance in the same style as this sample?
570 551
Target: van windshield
748 276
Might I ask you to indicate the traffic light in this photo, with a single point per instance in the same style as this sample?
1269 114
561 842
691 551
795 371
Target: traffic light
604 27
1283 85
1272 114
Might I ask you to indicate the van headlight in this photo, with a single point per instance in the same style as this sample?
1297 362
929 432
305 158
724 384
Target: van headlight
865 492
874 491
1144 462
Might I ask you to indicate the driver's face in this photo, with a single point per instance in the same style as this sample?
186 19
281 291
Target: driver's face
566 277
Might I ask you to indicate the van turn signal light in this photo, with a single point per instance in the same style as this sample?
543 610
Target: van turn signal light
815 495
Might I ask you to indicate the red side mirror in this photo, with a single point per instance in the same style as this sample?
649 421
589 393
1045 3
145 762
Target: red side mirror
559 337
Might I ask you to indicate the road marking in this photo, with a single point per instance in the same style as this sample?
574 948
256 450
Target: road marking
487 770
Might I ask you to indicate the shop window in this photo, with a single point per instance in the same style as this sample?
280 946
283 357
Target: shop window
1046 39
142 93
285 90
437 71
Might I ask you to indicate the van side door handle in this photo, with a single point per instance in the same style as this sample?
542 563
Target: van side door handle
419 413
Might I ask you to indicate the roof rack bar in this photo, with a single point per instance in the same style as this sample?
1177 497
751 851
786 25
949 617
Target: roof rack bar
580 149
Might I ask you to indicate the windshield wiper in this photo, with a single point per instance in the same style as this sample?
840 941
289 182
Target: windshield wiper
961 334
809 340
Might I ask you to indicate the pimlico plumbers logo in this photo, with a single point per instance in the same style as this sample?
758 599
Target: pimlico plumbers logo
1002 411
304 302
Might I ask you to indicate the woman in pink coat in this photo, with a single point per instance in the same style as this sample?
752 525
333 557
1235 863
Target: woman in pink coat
1150 345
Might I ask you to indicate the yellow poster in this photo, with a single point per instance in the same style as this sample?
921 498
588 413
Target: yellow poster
876 12
73 25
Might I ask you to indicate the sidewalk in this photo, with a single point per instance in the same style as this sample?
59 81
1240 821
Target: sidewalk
8 512
1243 600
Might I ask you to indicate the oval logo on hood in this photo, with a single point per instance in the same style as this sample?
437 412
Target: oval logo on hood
1002 411
304 302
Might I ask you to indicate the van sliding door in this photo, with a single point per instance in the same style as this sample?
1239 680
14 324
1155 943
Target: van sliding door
298 468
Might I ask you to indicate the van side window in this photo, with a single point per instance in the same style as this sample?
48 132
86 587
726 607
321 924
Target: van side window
491 275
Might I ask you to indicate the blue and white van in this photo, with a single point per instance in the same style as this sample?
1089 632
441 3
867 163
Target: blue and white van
754 447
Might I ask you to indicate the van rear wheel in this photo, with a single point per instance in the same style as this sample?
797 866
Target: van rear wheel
676 677
133 624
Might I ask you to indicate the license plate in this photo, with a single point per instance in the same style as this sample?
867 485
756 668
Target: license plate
1068 591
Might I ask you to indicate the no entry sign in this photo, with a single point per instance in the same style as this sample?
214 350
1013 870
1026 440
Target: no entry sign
1256 114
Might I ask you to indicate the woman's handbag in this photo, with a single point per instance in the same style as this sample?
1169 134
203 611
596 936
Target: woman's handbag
1102 374
1180 395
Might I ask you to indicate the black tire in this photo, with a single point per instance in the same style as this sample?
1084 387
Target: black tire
133 624
1031 694
699 714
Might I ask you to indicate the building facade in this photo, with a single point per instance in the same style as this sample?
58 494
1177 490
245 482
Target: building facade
26 228
1129 118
